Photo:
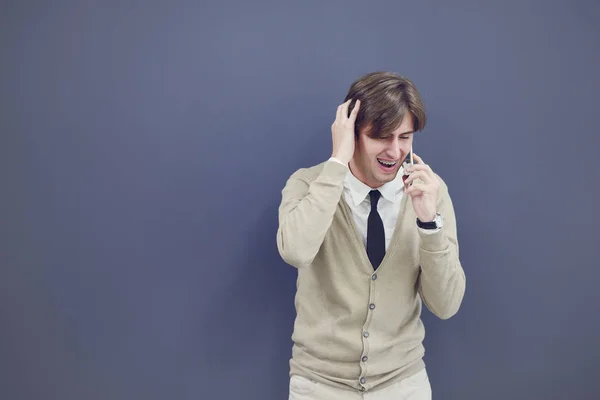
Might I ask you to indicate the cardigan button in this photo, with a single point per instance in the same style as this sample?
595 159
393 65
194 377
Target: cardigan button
372 306
363 380
374 276
366 334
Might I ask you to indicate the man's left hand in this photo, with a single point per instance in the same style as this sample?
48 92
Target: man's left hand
424 189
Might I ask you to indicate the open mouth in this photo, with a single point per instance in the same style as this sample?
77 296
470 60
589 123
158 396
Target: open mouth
387 165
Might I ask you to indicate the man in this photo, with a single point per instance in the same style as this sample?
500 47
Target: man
370 240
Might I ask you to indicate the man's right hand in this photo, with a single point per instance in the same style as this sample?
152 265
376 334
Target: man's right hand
342 132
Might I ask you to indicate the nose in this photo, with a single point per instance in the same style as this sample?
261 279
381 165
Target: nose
394 150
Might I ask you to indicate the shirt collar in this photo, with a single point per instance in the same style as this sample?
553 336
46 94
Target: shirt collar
391 191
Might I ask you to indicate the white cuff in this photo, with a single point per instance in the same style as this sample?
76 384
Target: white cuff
336 160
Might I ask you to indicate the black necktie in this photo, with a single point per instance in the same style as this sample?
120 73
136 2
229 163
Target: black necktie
375 232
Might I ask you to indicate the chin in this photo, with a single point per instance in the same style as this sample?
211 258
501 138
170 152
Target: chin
385 178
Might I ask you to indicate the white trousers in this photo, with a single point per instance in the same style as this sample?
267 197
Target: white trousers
415 387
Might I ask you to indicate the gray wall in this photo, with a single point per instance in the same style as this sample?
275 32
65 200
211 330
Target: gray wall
144 146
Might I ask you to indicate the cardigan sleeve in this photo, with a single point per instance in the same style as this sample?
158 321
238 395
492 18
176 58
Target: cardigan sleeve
442 281
306 212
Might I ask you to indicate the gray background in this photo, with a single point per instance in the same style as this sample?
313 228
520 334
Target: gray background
144 146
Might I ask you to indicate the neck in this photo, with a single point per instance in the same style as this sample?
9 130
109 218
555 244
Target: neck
354 170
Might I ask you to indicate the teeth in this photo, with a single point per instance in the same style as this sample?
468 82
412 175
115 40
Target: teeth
388 163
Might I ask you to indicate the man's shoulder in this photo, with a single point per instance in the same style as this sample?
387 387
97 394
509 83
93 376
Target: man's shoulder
309 173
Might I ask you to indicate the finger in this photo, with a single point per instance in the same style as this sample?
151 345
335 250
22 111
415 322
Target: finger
418 168
421 167
340 111
418 175
338 114
419 162
418 159
416 189
345 108
354 112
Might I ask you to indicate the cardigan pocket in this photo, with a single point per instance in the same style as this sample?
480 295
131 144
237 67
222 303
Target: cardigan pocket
302 385
420 379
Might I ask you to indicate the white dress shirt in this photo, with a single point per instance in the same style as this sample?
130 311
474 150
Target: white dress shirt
356 194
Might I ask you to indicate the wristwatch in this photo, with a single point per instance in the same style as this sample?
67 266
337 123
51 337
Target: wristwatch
437 223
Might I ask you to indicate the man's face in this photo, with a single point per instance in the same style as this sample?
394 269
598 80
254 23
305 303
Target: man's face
377 161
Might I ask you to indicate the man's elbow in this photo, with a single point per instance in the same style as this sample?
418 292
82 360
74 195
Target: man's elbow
450 308
446 309
293 255
295 259
447 312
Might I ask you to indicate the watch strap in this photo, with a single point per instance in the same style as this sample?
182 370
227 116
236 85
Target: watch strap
428 225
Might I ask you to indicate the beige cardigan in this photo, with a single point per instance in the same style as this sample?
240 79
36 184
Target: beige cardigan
356 328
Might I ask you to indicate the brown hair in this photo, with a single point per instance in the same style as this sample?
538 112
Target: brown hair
385 97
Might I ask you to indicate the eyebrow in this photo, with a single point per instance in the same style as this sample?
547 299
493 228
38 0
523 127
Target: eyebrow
401 134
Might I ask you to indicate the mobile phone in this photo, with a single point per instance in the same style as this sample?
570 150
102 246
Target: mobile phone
408 162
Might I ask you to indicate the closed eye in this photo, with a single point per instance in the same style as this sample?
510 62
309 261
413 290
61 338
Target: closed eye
388 137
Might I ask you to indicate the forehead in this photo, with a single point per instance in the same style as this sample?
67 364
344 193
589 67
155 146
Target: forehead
407 125
405 128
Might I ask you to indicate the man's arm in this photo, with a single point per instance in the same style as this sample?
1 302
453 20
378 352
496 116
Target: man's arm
306 213
307 209
442 281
